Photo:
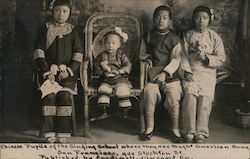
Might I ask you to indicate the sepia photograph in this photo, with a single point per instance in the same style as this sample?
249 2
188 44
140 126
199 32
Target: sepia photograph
139 79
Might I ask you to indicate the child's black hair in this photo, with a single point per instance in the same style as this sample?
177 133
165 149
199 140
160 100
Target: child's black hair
62 2
161 8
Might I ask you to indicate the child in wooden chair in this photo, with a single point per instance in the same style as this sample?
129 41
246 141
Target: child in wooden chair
113 67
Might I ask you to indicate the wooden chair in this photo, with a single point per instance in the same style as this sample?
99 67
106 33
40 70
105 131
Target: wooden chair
95 30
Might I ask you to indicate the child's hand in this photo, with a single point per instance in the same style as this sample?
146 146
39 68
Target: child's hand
160 78
149 62
200 51
188 77
54 69
116 72
63 75
50 77
105 66
201 55
108 74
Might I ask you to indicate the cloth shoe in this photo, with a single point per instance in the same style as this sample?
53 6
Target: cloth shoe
51 139
189 138
199 138
147 137
62 140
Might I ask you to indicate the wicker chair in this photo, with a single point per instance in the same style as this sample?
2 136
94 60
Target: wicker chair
96 27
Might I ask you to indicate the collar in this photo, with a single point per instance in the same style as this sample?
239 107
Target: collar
60 24
57 30
163 32
201 31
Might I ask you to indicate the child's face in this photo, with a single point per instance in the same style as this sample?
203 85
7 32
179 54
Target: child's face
112 43
201 20
162 20
61 13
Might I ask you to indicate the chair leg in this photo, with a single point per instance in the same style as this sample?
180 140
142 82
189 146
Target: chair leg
142 121
73 118
86 132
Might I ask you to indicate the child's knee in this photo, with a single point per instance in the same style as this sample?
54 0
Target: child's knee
50 99
105 89
172 102
64 97
122 91
151 88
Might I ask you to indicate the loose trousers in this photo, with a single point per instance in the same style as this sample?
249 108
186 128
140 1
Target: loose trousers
57 110
195 113
152 96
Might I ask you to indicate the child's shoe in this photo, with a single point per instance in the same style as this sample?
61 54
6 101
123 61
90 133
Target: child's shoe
189 138
62 140
176 132
102 116
177 136
199 138
147 136
51 139
103 110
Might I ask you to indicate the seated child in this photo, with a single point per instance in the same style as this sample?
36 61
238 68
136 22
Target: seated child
203 54
163 53
58 55
113 67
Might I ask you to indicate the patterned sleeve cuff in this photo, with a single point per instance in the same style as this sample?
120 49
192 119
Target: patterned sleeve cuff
77 57
38 53
71 73
46 74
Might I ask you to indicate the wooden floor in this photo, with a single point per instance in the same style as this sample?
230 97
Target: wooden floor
223 129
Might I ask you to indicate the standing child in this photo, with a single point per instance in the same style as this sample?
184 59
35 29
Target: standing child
58 55
164 54
113 67
204 53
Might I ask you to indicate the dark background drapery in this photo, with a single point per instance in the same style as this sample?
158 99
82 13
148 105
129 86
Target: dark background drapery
243 45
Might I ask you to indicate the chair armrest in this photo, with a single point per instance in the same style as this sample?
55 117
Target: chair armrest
143 74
